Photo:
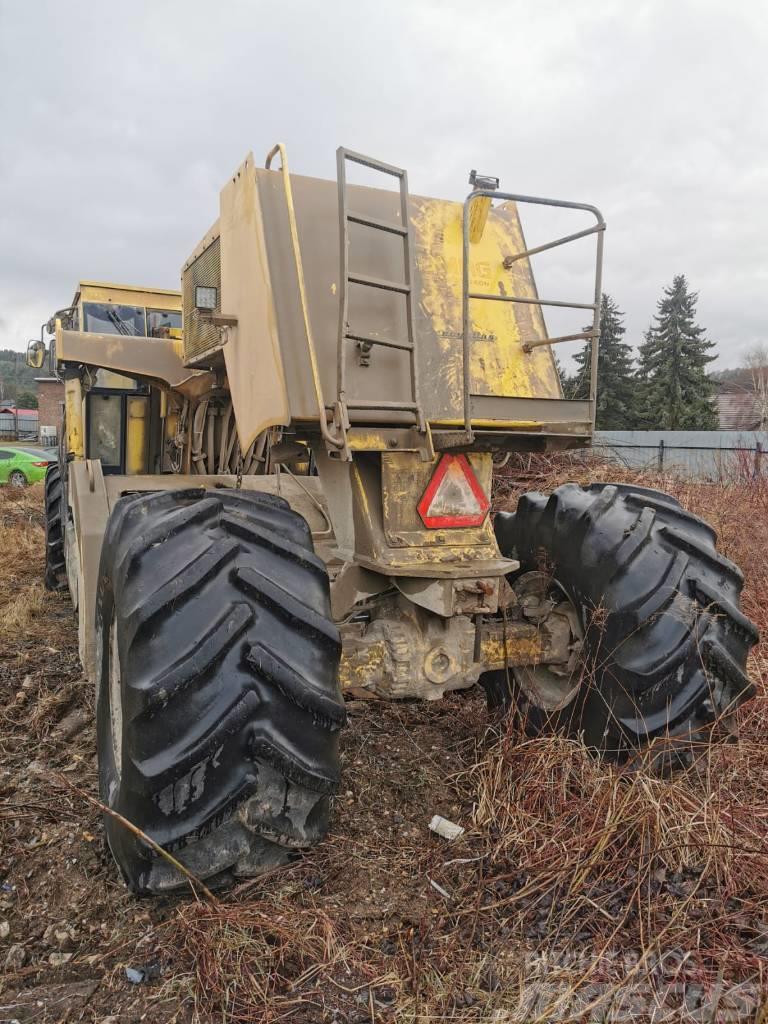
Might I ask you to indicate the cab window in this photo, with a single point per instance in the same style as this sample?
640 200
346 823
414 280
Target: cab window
105 429
163 323
112 318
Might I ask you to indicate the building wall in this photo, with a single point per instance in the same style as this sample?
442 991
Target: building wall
50 403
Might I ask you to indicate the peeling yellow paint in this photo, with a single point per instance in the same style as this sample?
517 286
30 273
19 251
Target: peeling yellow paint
499 366
370 441
361 664
493 424
73 402
521 650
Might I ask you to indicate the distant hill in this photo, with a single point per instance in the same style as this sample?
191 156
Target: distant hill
15 376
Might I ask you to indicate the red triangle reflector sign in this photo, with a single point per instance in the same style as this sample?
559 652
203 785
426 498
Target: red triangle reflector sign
453 496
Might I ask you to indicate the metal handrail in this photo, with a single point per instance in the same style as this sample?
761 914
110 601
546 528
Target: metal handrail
528 346
332 439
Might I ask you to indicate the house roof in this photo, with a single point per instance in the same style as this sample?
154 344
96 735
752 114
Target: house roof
17 412
739 410
741 399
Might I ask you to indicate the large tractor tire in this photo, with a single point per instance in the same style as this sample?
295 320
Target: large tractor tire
218 704
663 642
55 566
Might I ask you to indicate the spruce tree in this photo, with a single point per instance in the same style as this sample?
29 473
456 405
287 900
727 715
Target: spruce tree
565 381
675 391
615 375
645 416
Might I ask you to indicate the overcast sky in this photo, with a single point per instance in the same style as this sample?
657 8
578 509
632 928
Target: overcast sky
120 122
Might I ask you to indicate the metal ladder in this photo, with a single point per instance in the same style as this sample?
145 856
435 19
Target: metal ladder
347 278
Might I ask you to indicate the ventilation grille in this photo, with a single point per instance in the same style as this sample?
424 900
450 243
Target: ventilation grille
201 337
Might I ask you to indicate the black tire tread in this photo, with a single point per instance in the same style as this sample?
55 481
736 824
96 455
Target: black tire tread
203 583
670 643
55 564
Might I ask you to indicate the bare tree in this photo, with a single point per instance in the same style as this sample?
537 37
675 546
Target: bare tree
756 361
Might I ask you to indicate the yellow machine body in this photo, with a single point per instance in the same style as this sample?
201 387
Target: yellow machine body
339 343
281 306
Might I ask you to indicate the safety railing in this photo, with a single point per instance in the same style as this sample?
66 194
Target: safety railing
532 343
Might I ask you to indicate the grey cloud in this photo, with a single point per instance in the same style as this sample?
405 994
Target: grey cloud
120 123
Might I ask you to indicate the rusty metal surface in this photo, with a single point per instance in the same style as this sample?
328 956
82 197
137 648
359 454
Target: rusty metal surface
404 478
372 503
330 347
404 653
374 370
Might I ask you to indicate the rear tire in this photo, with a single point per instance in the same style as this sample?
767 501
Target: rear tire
55 564
17 479
218 705
665 642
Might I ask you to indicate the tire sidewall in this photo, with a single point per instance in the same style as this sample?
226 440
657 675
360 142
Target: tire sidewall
122 599
584 537
125 848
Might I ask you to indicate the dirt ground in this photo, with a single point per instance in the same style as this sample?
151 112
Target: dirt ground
578 892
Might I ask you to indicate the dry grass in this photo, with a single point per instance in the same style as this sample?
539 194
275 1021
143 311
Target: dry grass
578 886
580 891
21 523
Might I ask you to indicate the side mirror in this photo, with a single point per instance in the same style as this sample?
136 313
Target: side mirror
36 352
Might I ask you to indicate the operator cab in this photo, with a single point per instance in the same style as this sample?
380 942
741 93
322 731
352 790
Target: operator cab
118 409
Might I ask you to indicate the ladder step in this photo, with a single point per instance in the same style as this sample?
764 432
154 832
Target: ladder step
374 165
379 225
370 405
367 339
379 282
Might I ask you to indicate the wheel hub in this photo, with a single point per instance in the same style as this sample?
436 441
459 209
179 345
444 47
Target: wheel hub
543 600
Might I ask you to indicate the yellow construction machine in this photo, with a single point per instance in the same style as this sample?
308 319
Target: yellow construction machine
290 503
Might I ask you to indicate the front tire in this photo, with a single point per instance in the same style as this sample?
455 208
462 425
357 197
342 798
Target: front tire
218 705
665 643
55 563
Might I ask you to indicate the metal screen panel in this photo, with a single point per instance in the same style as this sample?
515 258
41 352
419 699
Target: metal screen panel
205 271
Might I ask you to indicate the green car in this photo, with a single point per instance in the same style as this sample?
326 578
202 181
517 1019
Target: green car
20 465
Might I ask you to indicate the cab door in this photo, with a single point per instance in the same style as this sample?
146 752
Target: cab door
117 432
117 407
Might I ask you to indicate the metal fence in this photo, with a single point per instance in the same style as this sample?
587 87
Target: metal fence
15 427
700 454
